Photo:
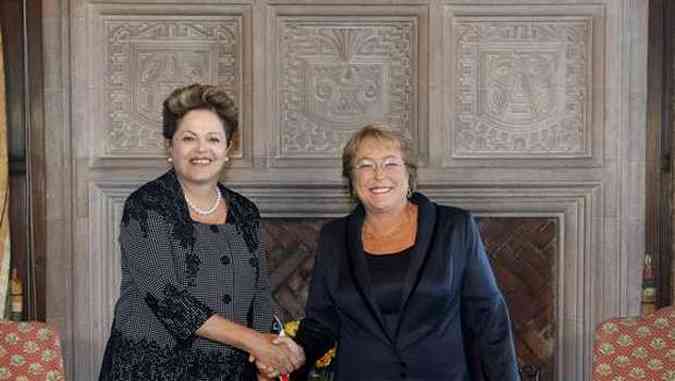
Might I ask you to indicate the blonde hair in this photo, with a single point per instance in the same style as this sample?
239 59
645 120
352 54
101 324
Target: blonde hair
380 132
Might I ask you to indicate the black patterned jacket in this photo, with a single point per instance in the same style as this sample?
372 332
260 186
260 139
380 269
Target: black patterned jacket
176 273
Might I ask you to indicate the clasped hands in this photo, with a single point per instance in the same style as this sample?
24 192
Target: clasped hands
276 355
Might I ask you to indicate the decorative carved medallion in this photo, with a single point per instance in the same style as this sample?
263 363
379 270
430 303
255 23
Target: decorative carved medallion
147 59
522 87
337 75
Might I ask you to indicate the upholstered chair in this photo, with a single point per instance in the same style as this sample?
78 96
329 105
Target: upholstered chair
640 348
30 351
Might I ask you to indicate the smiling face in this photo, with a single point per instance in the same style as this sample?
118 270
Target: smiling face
199 148
380 177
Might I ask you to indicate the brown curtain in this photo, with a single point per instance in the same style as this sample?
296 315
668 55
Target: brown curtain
4 196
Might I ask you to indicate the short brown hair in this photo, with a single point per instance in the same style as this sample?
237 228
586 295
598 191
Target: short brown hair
199 97
384 133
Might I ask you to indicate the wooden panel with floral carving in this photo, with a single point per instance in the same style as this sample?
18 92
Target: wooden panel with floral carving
522 87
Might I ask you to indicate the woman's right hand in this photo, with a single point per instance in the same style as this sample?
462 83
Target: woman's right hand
262 377
265 372
278 358
297 357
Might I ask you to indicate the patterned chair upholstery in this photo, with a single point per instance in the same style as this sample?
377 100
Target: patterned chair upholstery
641 348
30 351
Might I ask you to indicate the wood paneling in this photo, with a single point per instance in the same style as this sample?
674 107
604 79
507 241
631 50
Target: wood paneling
22 33
659 195
666 254
36 156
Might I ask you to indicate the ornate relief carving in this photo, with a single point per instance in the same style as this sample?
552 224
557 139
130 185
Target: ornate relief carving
522 87
147 59
337 75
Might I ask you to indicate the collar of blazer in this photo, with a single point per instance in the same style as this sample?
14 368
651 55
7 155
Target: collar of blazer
426 220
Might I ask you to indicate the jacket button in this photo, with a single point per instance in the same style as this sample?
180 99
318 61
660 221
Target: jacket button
227 299
225 260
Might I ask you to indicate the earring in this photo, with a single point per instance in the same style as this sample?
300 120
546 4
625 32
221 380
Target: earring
170 160
226 159
410 192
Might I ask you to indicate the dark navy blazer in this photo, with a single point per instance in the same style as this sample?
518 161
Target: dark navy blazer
450 304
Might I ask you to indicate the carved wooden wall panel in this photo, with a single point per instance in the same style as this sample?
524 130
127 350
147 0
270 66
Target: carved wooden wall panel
334 74
147 59
522 87
142 56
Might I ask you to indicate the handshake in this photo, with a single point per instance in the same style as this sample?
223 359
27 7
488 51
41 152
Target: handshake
276 355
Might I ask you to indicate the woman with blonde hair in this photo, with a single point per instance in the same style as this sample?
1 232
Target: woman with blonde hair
402 284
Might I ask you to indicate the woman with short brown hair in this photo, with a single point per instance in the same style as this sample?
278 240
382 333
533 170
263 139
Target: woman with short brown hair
195 302
402 284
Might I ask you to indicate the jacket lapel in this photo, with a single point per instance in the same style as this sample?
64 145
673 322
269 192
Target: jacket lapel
360 270
426 220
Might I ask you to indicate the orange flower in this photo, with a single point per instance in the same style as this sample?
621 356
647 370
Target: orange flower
325 360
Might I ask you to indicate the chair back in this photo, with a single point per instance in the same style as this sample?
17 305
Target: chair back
641 348
30 351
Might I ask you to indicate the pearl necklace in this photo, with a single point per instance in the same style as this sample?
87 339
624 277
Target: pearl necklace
202 211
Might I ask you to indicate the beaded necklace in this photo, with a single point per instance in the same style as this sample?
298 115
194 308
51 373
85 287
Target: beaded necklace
204 212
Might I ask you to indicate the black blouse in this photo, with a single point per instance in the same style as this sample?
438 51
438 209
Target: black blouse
387 276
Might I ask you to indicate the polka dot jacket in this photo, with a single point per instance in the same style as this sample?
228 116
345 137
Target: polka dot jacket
176 273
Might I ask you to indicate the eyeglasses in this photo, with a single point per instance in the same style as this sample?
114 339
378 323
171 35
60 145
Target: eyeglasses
369 166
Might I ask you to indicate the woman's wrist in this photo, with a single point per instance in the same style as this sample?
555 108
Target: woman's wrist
250 340
224 331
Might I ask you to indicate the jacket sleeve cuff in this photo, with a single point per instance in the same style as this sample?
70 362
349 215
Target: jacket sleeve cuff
315 339
180 312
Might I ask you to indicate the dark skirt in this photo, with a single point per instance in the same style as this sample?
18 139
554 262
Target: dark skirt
132 360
